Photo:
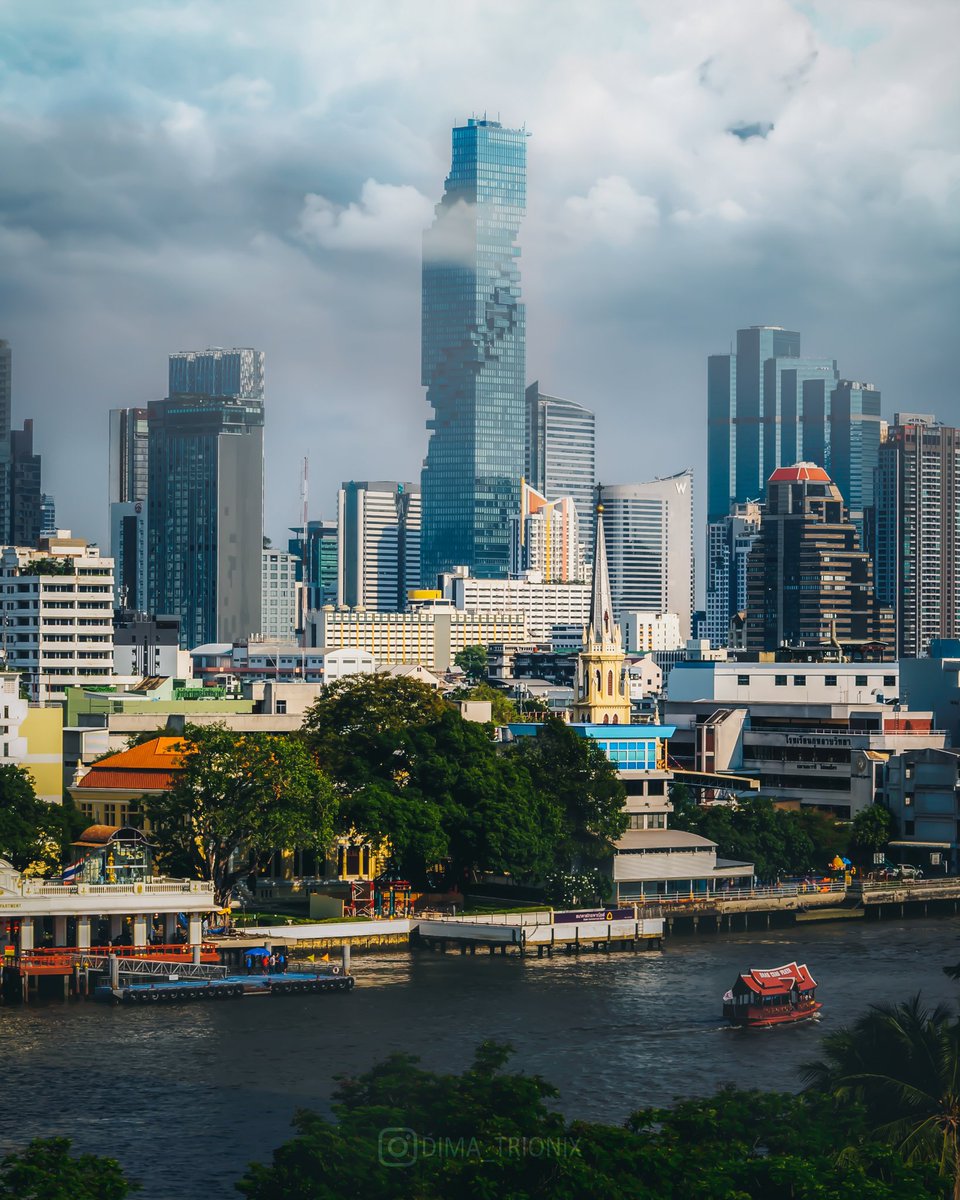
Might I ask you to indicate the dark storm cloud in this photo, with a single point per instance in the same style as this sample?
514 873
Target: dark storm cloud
183 174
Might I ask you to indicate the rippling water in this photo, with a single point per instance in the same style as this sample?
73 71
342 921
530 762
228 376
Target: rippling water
185 1097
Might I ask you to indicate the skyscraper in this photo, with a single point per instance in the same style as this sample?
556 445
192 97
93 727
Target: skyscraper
757 415
649 537
917 546
127 476
378 544
560 453
25 493
316 548
854 450
728 545
205 496
808 581
6 389
127 464
473 338
546 538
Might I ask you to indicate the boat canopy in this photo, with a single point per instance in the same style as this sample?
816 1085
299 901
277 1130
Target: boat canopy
779 981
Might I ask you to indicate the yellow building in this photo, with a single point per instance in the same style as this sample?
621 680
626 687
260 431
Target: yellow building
31 737
603 695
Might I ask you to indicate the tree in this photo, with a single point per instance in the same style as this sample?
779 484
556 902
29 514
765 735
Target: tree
503 711
240 793
902 1064
472 660
583 788
32 831
872 830
47 1170
488 1133
775 841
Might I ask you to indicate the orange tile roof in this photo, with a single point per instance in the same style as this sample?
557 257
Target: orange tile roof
125 781
799 472
159 754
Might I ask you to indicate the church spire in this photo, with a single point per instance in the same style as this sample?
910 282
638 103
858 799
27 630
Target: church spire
602 631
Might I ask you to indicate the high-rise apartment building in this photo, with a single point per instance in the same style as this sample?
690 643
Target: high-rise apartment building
378 560
205 496
546 538
128 462
854 450
58 615
808 581
762 411
48 515
728 545
560 454
280 604
128 468
25 493
648 529
917 531
473 338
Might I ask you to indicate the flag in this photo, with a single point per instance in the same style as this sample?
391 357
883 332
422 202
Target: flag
72 873
311 958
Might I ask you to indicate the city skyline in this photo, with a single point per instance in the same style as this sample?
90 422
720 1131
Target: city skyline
664 211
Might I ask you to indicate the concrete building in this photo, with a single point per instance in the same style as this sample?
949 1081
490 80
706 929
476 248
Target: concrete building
922 790
808 581
58 615
431 635
128 462
282 662
815 734
205 495
647 631
729 541
933 683
560 455
145 646
649 537
127 475
853 452
280 604
31 737
917 538
378 544
544 605
48 515
6 413
316 549
25 488
547 538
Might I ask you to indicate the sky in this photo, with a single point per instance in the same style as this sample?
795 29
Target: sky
177 174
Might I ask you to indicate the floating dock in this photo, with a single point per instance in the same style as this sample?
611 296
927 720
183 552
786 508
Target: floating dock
228 987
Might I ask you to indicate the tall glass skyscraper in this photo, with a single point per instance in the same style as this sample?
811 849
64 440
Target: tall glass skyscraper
473 337
560 455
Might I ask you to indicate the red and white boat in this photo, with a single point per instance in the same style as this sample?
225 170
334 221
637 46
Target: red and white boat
782 996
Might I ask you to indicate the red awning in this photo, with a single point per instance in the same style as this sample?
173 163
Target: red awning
779 981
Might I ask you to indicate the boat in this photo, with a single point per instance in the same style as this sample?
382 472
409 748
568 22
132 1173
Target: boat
761 999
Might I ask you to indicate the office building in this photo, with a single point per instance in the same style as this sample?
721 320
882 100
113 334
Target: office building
6 412
765 406
25 488
917 538
645 632
128 455
48 515
546 538
316 550
128 549
280 603
649 544
146 647
728 544
429 634
560 454
814 733
854 450
378 544
808 581
921 788
543 604
58 615
205 496
473 338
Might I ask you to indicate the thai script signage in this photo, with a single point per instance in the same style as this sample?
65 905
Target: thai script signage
812 739
594 914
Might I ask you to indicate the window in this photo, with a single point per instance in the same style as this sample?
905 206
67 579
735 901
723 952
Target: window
780 680
743 681
889 681
799 681
908 828
860 681
829 681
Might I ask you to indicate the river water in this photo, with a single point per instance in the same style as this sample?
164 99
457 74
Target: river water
186 1096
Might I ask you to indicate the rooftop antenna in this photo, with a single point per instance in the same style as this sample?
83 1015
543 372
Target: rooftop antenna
304 552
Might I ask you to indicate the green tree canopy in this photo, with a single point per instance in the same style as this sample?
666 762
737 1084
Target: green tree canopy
398 1130
33 832
901 1062
238 793
872 830
503 711
46 1170
472 660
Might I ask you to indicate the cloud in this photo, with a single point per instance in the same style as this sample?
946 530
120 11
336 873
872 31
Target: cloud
612 211
388 218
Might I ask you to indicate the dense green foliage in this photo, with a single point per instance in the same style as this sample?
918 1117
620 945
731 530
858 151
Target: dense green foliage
872 829
503 711
409 770
901 1063
472 660
33 833
46 1170
239 794
778 842
487 1134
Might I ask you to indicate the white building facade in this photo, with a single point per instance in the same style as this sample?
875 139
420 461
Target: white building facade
644 632
542 605
280 606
